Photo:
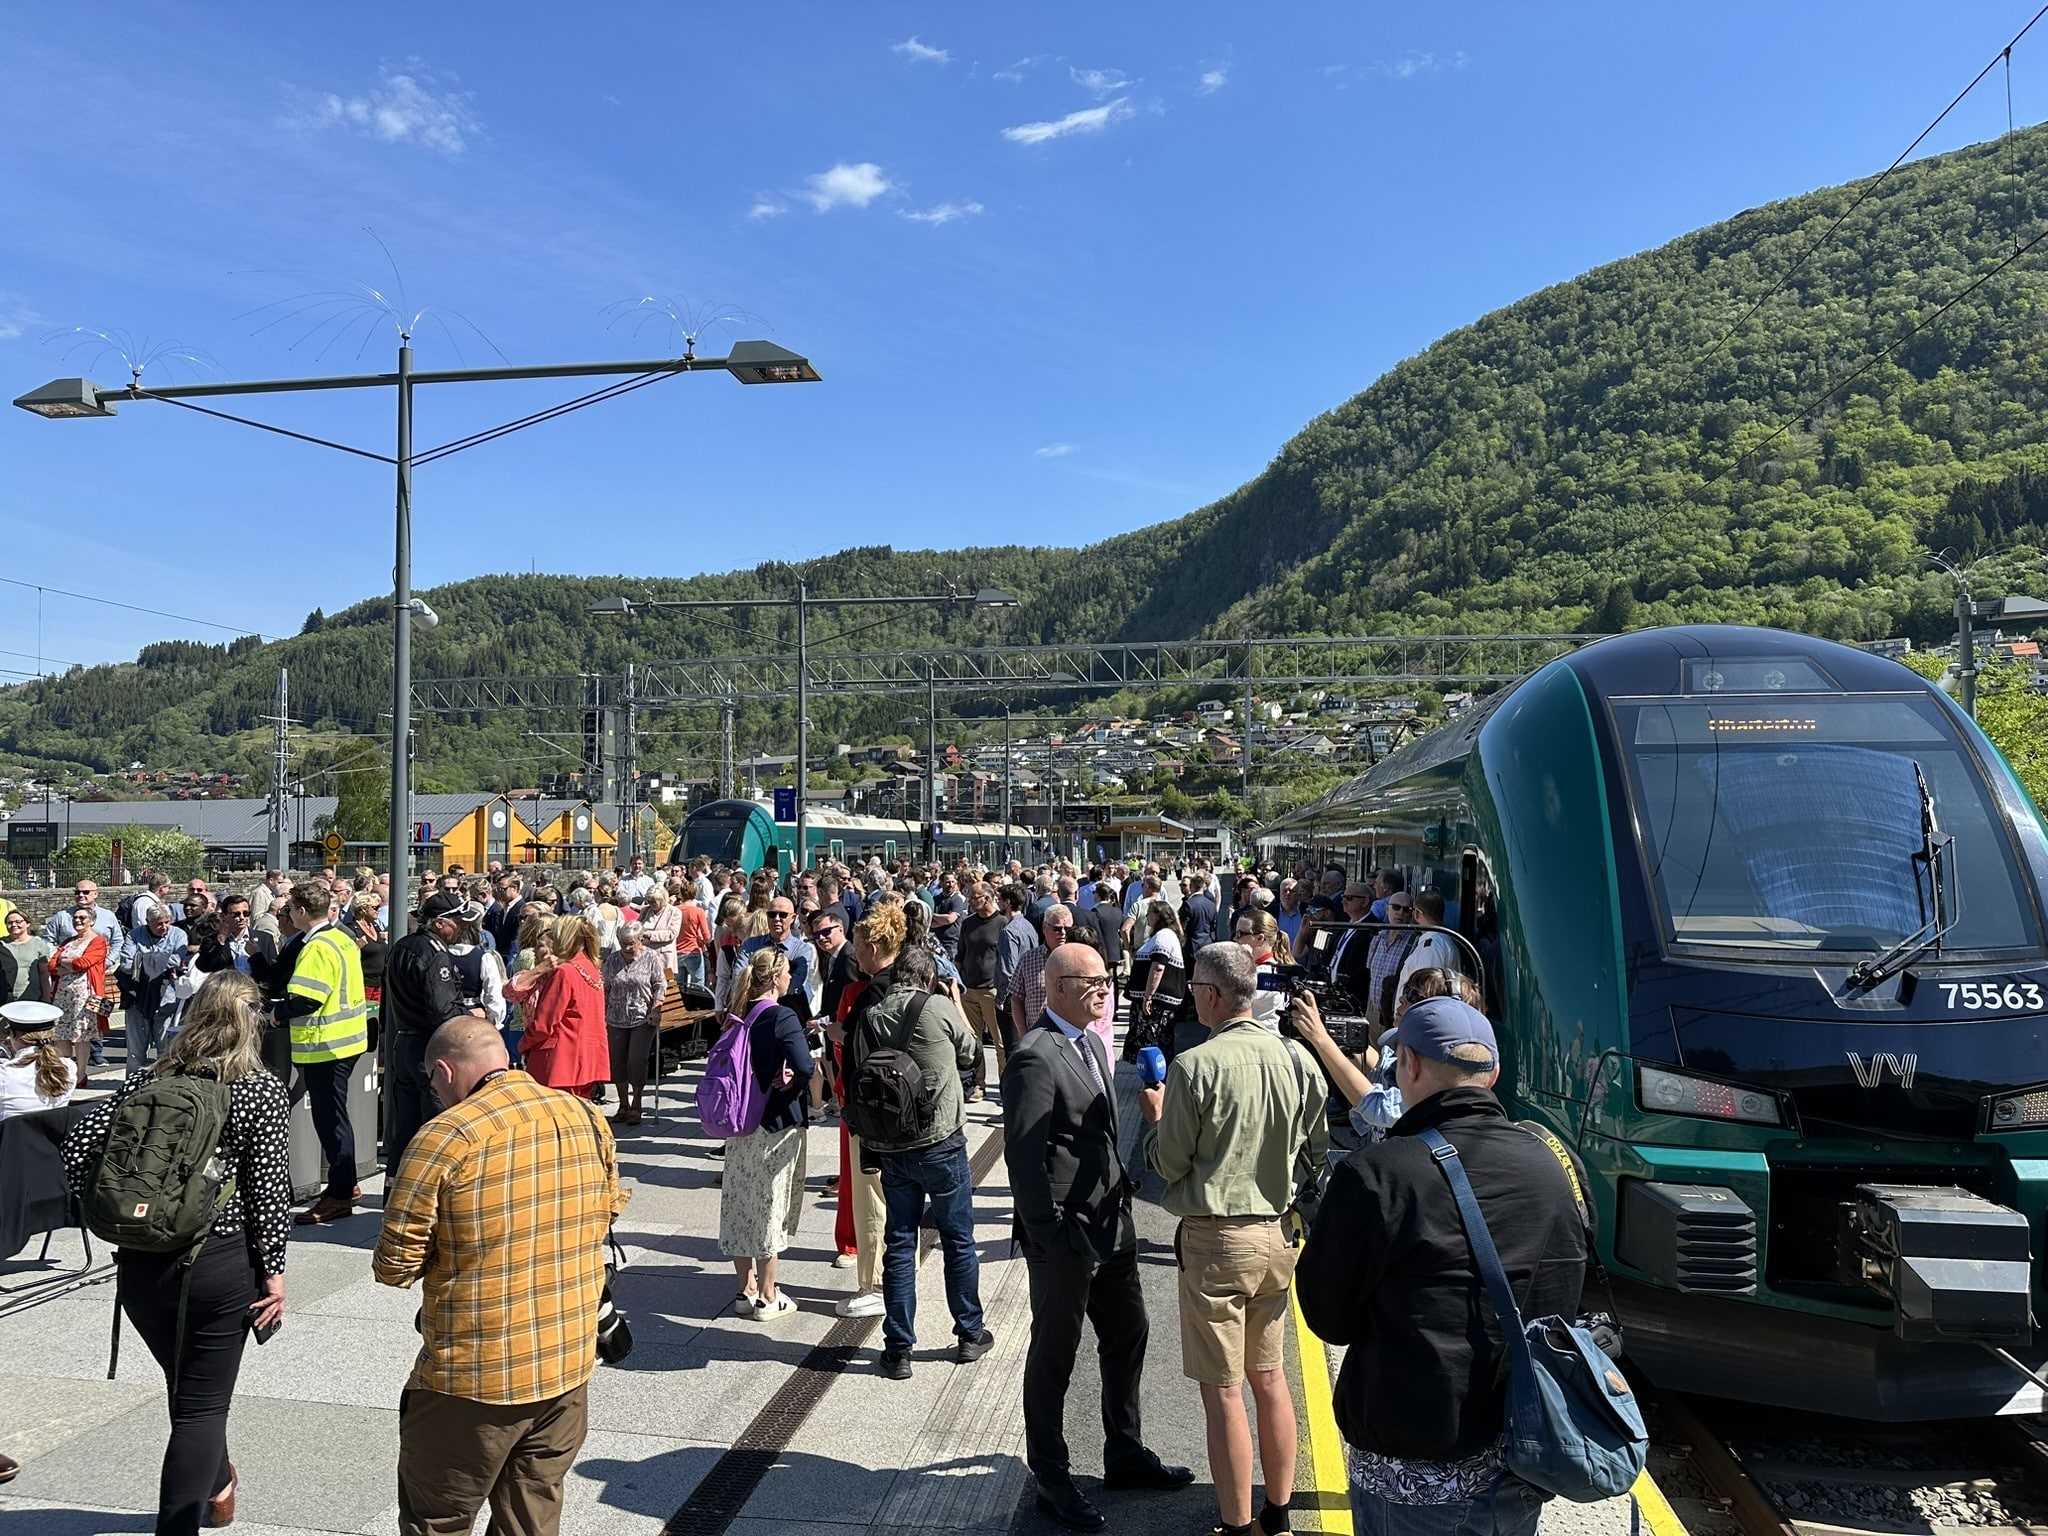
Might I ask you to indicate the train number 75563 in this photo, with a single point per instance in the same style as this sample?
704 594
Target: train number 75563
1979 996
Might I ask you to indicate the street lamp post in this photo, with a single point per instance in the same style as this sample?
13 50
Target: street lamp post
751 362
803 602
2016 608
1006 781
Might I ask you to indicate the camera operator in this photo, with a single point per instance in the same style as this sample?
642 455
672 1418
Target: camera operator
1366 1081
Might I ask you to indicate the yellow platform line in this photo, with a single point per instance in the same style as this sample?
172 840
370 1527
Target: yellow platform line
1655 1509
1330 1474
1328 1471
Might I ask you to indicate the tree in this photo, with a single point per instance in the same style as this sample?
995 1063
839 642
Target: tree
2016 719
362 794
1174 802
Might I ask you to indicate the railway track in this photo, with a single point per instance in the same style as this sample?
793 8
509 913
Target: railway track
1738 1470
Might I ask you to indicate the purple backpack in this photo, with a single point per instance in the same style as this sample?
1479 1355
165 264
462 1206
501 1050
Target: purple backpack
730 1098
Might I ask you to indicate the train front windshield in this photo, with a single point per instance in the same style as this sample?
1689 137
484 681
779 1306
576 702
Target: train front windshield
718 838
1790 826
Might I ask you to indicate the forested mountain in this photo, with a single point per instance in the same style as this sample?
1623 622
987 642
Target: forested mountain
1632 447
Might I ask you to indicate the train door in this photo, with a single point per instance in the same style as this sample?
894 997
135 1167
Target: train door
838 849
889 851
1476 922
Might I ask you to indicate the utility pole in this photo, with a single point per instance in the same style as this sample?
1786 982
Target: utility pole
803 705
931 757
400 854
1244 770
278 851
1966 651
1006 782
629 772
728 780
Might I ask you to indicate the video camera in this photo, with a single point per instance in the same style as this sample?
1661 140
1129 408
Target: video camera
1343 1015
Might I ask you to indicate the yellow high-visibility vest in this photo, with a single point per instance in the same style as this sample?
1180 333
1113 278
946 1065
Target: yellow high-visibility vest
330 973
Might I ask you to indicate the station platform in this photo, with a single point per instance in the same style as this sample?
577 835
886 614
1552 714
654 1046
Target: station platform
715 1424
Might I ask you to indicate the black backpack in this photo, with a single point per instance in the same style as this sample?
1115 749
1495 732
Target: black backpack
887 1101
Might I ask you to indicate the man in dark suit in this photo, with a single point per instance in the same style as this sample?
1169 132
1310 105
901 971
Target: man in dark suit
1073 1222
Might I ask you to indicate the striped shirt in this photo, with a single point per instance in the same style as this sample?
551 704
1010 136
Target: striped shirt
501 1205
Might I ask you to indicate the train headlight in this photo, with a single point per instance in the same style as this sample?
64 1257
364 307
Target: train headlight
2020 1111
1678 1093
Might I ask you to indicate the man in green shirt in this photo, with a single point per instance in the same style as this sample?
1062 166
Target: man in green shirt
1227 1130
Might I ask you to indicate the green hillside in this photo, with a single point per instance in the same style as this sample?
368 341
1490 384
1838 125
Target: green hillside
1588 457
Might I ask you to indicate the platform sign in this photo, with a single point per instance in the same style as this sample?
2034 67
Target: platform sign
332 842
785 805
31 840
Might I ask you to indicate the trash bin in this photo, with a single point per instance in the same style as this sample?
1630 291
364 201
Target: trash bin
308 1162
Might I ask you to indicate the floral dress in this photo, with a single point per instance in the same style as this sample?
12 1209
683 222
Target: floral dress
80 967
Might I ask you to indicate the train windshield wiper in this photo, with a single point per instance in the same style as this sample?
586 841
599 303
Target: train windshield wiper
1935 854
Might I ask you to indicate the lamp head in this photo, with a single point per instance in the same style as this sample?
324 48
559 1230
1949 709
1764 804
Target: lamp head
66 397
423 617
994 597
610 605
762 362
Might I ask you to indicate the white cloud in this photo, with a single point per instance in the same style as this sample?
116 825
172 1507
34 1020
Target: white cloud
1100 82
1055 450
1406 67
942 213
1213 80
766 208
921 53
1091 120
1015 73
408 107
15 316
846 186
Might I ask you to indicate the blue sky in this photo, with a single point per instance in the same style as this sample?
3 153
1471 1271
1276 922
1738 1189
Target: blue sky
1068 269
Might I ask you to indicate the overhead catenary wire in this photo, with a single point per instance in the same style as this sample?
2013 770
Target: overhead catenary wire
155 613
1870 190
1807 407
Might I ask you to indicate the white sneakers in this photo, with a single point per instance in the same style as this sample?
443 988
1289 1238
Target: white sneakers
862 1304
845 1260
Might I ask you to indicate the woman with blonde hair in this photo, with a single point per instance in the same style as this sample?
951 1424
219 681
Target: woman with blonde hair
565 1045
195 1316
727 939
761 1197
36 1073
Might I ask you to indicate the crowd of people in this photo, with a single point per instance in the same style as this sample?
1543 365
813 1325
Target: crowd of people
1309 1026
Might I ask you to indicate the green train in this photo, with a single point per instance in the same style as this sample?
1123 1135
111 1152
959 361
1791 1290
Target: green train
742 834
1760 919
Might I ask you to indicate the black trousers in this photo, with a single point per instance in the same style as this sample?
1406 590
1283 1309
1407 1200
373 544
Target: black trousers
327 1093
410 1100
1067 1286
207 1361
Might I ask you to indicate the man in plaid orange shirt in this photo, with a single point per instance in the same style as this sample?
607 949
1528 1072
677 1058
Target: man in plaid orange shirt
501 1205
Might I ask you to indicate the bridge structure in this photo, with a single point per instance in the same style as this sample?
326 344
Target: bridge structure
612 704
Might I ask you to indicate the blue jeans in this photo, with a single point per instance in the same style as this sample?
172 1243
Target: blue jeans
939 1174
1512 1509
690 968
146 1027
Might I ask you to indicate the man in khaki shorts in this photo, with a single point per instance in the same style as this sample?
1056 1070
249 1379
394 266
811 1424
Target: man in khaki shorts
1225 1132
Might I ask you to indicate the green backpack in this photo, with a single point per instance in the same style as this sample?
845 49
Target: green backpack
159 1184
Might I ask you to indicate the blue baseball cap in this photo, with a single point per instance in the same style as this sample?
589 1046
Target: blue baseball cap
1436 1024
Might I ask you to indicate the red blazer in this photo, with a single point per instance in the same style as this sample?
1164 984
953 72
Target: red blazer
565 1044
